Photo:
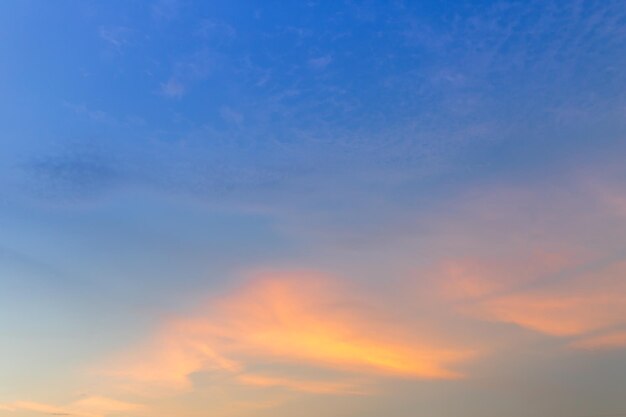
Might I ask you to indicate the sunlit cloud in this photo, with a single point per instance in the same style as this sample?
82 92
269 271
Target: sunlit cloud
472 278
448 175
104 405
282 318
565 307
42 408
546 271
303 385
87 407
606 341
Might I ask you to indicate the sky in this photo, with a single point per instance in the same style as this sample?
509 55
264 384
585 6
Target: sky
237 208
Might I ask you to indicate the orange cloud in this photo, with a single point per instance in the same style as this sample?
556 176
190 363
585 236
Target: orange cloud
288 318
103 405
583 303
537 297
87 407
41 408
303 385
473 277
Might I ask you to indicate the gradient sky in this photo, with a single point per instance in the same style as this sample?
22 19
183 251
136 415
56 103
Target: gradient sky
313 208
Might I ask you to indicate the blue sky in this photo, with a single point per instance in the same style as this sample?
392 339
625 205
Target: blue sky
437 185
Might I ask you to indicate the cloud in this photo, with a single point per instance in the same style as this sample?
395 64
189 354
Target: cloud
104 405
606 341
92 114
216 31
115 36
475 277
173 88
567 309
165 9
40 408
554 267
86 407
188 70
231 116
320 62
290 318
78 172
303 385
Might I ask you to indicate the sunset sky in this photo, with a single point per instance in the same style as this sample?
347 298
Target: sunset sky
313 208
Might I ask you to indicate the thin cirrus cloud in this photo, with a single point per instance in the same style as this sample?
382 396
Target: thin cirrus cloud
87 407
525 272
281 319
554 267
565 308
303 385
610 340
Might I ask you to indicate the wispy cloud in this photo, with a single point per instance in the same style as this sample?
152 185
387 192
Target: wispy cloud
589 303
86 407
116 36
293 317
173 88
538 273
321 62
165 9
231 116
72 174
216 30
188 70
606 341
